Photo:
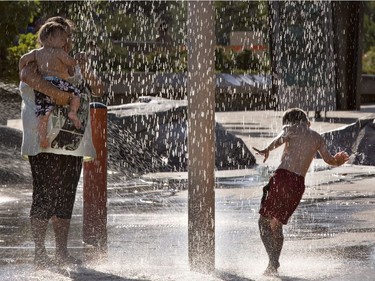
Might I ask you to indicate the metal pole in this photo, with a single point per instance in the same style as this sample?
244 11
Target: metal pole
201 136
95 187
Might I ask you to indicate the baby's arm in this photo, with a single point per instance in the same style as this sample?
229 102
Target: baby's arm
337 160
26 59
276 142
66 59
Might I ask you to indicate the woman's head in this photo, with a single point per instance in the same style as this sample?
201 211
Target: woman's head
295 116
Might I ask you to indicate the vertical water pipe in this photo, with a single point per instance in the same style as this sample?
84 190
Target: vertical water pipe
201 136
95 187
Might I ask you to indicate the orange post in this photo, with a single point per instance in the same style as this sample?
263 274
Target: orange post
95 186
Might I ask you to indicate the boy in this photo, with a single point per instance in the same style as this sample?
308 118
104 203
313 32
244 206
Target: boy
284 191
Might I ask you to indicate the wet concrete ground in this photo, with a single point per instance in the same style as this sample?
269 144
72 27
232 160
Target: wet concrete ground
330 237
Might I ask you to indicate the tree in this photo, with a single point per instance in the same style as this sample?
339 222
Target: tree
239 16
369 26
14 19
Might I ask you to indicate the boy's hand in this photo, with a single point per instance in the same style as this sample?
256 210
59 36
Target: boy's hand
341 157
264 152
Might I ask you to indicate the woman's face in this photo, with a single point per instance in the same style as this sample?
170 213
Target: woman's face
68 45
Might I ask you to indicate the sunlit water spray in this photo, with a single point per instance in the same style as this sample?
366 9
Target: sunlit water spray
147 221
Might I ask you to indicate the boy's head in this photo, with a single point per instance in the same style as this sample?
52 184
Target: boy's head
53 34
295 116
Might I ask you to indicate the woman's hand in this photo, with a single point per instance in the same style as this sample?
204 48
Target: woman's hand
31 76
81 59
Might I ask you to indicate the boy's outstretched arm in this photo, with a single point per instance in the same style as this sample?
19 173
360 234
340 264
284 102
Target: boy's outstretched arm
276 142
265 152
337 160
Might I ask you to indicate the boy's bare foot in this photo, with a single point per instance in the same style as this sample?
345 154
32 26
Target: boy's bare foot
73 116
44 142
271 270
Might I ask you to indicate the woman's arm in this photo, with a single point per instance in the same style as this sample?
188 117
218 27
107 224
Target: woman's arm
26 59
93 80
31 76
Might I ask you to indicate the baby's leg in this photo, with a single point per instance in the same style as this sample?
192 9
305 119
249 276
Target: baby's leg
42 129
74 106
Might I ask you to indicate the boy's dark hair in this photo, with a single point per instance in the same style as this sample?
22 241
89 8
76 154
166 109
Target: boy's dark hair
295 116
50 29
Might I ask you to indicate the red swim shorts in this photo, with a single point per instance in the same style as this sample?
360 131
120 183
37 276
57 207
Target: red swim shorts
282 195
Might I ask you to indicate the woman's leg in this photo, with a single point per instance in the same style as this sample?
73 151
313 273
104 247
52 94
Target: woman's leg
39 229
65 194
61 230
41 208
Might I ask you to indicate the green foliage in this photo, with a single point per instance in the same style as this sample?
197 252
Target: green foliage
368 61
368 26
246 60
239 16
14 18
224 60
164 62
26 43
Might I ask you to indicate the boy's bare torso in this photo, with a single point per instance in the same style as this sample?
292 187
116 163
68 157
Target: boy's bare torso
301 146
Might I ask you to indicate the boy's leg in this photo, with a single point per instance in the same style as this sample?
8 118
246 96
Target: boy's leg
271 233
74 106
278 236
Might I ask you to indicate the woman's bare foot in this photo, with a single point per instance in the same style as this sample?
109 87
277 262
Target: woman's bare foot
73 116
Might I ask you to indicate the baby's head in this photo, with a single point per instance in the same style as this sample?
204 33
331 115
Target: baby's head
295 116
53 34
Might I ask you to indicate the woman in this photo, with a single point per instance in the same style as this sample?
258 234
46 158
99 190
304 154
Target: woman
56 169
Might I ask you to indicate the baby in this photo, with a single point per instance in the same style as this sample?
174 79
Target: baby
56 66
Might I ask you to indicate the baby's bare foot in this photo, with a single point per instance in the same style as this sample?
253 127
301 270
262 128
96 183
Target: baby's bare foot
73 116
44 142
